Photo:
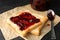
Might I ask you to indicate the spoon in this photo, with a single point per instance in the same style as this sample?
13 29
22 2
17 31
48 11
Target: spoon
51 17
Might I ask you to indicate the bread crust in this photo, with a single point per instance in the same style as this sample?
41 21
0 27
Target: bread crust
24 32
37 31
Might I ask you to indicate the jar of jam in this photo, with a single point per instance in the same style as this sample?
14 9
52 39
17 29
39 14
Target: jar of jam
40 5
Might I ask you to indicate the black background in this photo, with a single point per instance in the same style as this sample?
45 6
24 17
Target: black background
54 4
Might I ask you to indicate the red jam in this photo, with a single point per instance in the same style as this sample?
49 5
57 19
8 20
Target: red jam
48 24
40 5
50 16
24 20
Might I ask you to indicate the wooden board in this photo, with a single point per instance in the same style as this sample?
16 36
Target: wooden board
10 33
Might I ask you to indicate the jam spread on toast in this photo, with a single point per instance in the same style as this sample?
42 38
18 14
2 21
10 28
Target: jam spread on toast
24 20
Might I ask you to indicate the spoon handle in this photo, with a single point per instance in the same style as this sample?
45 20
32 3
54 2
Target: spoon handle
53 36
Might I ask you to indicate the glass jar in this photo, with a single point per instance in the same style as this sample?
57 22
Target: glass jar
40 5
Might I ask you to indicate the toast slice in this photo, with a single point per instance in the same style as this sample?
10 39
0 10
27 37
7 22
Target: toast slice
37 31
24 22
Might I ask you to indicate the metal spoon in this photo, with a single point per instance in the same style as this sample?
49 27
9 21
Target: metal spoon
51 17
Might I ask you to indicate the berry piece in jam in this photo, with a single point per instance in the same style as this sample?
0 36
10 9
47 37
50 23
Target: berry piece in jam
27 16
24 20
15 19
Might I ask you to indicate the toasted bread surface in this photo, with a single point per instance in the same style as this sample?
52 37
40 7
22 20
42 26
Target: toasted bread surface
37 31
24 32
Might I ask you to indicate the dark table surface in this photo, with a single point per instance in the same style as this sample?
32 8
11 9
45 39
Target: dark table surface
54 4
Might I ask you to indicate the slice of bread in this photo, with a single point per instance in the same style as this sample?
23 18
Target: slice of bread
17 28
37 31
